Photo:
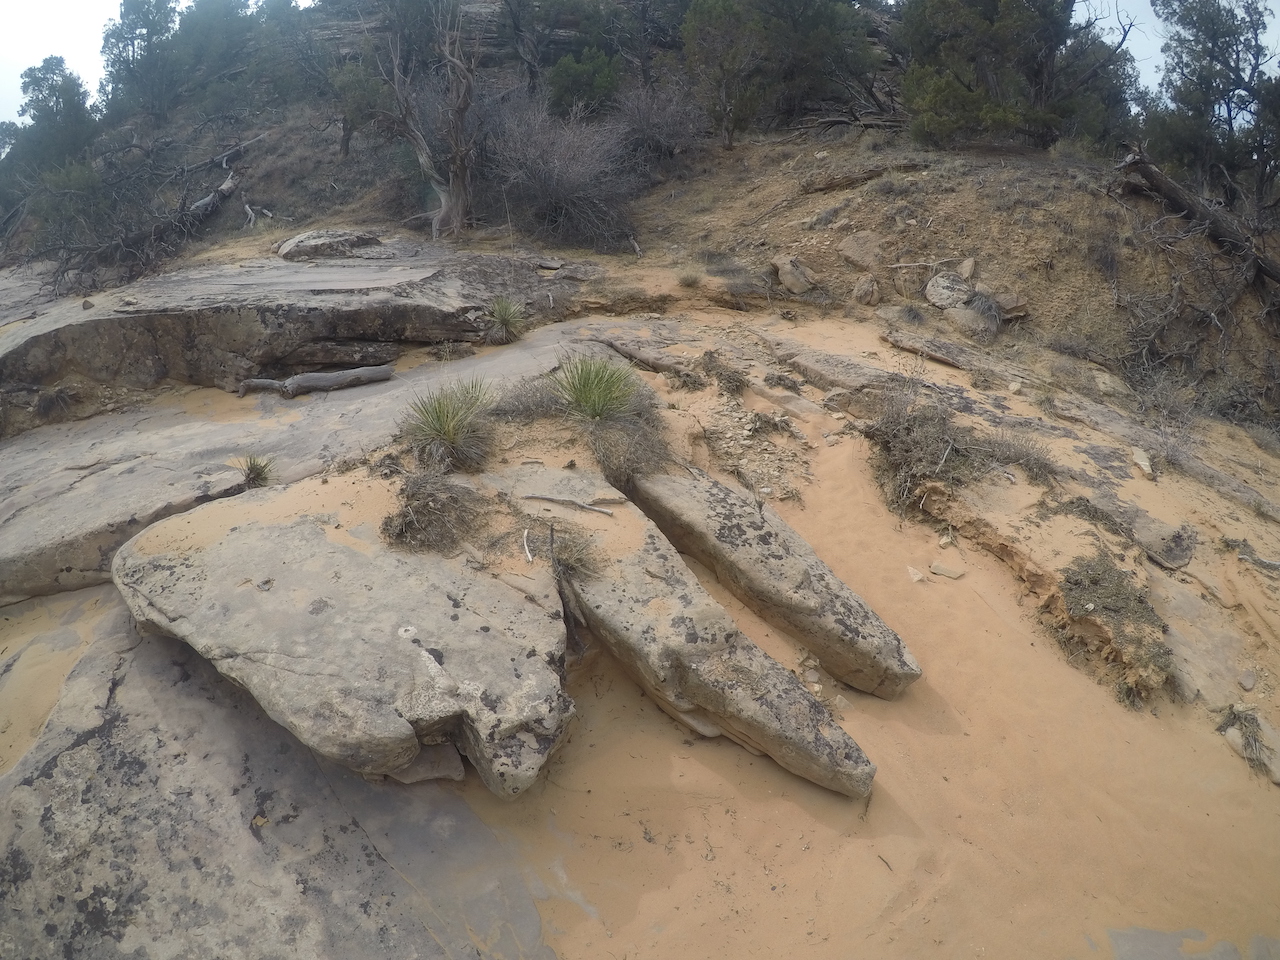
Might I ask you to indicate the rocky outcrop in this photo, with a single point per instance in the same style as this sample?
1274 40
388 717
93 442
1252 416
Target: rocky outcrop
772 570
218 325
71 494
361 652
683 648
161 814
315 244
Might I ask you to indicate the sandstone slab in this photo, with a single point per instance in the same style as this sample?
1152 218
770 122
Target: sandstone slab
947 290
162 814
326 243
861 250
774 571
683 649
360 651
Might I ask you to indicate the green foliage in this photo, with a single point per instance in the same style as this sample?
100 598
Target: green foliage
61 126
449 428
583 83
725 53
1013 67
592 388
508 320
141 66
1219 119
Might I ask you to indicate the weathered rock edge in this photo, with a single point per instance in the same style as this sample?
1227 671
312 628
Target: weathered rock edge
360 653
771 569
686 652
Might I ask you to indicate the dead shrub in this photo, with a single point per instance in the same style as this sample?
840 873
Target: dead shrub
436 513
660 122
568 181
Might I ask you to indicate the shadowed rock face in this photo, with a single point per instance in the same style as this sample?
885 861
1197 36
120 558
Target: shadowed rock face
160 814
771 569
361 652
684 649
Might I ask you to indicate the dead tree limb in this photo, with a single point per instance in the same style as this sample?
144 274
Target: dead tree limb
312 382
1220 226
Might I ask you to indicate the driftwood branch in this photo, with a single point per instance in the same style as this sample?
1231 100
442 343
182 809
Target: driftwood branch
935 350
826 182
1221 227
568 503
313 382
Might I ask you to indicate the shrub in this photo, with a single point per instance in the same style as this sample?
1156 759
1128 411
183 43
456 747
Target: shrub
435 512
566 180
660 122
449 428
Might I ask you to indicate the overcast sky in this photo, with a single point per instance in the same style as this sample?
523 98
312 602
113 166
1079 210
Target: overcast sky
72 29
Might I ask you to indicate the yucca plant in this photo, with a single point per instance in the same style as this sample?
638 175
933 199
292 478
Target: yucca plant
257 471
449 428
506 320
593 389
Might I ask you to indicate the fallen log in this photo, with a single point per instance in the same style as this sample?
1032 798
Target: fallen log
1220 227
323 382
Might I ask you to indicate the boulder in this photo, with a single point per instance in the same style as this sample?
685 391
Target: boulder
160 813
861 250
359 651
867 291
948 290
794 276
970 323
325 243
681 646
771 569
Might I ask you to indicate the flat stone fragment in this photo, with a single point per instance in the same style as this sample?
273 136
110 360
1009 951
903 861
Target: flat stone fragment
942 570
360 651
687 653
325 243
774 571
947 290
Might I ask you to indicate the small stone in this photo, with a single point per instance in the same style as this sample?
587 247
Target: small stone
87 305
1088 608
947 290
1248 680
942 570
966 268
946 540
841 703
915 574
812 676
821 155
867 291
766 491
1143 462
1015 388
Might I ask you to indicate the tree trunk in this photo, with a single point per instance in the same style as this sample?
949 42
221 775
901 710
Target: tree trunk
1222 229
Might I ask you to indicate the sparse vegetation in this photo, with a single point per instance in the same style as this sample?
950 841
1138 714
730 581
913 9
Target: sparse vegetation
257 471
1255 750
448 428
689 279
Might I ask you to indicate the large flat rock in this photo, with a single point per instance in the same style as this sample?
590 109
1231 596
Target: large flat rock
218 324
771 569
359 650
162 814
71 494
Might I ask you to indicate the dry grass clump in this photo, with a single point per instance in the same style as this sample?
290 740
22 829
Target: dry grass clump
1016 450
1095 587
1255 750
569 547
436 513
689 279
988 309
449 428
732 380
